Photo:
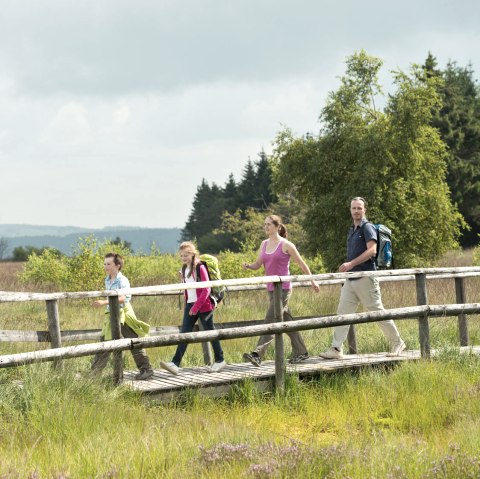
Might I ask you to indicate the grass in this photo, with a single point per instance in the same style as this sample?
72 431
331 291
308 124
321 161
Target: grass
417 420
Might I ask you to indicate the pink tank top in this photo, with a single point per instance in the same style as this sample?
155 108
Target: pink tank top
276 264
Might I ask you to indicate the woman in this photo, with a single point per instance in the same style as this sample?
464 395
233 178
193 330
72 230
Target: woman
198 305
275 254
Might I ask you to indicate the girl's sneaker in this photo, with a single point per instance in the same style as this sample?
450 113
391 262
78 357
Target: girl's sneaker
217 367
299 358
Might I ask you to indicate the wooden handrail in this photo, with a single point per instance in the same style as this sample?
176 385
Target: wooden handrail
231 284
234 333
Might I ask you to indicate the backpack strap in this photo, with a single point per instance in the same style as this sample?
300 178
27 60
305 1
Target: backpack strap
373 258
197 271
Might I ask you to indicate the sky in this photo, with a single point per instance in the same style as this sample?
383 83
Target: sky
112 111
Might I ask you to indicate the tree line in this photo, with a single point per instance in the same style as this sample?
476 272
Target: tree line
416 159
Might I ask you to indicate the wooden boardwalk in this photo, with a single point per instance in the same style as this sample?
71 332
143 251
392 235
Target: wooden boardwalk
164 386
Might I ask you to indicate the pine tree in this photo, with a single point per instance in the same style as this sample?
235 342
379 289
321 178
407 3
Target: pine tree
458 121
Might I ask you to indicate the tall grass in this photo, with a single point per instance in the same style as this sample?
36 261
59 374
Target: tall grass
416 420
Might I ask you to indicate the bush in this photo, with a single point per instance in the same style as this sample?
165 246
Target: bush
83 271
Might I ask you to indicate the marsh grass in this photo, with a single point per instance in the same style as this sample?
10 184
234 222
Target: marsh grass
415 420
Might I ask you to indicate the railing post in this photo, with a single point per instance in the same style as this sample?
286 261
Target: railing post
423 327
279 349
461 298
54 327
207 350
116 327
352 340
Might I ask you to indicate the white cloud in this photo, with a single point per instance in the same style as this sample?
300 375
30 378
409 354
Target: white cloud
156 95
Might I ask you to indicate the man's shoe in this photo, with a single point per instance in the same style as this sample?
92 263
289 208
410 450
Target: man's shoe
253 358
397 348
299 358
170 367
143 375
217 367
332 353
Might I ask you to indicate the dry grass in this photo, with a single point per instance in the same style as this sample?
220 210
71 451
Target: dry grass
9 271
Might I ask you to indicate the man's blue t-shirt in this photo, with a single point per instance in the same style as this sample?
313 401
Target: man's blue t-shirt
357 244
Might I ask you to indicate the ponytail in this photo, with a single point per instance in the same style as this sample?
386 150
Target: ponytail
277 221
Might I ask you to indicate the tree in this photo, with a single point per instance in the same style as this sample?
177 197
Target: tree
208 206
393 158
458 121
122 244
21 253
247 192
211 202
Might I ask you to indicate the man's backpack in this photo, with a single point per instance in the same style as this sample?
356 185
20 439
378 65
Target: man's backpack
384 256
210 262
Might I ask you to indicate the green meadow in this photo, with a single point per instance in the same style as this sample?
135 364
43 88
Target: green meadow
415 420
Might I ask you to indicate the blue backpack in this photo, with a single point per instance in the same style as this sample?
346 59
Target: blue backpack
384 256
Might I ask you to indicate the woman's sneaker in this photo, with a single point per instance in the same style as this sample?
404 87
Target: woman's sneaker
253 357
170 367
143 375
217 367
299 358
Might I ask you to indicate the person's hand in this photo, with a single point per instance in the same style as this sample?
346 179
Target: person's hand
246 265
315 286
99 303
345 267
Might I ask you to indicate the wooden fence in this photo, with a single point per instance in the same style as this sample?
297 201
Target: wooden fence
165 336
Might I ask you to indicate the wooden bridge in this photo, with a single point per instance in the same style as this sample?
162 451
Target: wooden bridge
165 386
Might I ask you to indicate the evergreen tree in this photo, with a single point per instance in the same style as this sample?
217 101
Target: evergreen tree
230 194
247 192
263 183
206 210
458 121
210 203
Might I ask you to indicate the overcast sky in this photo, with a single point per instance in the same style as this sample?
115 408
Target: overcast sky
111 112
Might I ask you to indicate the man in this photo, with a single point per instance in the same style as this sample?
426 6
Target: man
361 251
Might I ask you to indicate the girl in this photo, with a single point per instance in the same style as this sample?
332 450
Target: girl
197 306
131 326
275 254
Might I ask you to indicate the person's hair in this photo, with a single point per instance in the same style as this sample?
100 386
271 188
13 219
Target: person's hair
191 248
359 198
277 221
117 259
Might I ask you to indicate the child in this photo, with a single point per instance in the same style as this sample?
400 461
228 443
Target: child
131 326
197 306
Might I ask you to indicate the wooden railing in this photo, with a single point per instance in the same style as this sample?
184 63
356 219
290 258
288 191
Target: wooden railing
170 335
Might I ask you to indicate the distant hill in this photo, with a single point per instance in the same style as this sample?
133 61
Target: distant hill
65 237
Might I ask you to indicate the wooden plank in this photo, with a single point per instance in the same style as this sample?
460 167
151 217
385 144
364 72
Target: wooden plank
217 384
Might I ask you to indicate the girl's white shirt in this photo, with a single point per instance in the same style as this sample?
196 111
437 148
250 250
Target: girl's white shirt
191 293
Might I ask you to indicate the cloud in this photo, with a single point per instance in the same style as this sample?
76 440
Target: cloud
137 101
